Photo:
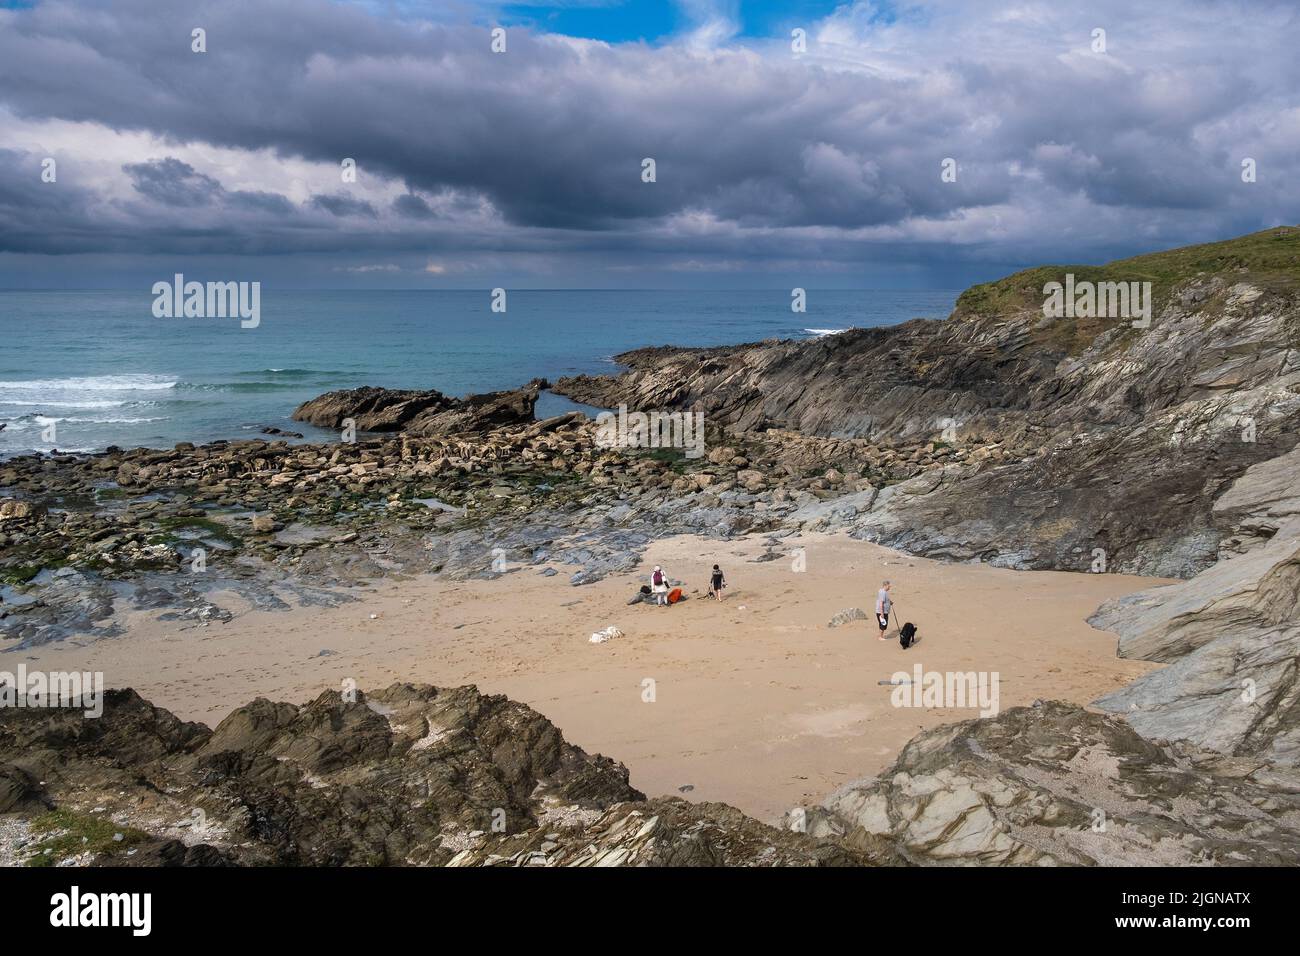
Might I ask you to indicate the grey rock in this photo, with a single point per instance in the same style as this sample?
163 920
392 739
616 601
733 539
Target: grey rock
846 616
1054 784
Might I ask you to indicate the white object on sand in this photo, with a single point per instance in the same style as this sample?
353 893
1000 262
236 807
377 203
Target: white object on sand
608 634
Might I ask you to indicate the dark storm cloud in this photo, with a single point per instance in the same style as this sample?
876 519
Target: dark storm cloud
832 157
172 182
340 205
43 217
258 201
412 207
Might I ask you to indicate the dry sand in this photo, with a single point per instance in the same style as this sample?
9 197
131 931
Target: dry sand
757 702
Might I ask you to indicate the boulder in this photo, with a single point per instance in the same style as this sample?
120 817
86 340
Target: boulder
419 413
264 524
846 616
12 509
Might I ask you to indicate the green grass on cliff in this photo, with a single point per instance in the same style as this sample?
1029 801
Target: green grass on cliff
1270 259
70 834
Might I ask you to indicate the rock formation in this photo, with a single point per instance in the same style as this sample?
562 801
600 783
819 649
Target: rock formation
421 413
411 775
1231 635
1119 438
415 775
1055 785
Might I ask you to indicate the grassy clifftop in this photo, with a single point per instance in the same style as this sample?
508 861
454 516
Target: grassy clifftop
1270 258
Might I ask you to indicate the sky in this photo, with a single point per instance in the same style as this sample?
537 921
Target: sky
820 145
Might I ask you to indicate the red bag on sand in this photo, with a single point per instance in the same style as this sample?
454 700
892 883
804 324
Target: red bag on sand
674 595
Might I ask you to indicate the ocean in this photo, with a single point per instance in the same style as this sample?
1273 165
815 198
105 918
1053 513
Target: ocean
102 370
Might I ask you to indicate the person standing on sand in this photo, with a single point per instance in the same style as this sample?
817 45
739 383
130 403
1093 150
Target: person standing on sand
883 606
717 583
659 586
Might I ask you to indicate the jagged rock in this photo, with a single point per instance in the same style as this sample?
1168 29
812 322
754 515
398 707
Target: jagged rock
426 412
1055 784
1232 637
836 514
372 409
1231 633
668 832
16 787
1261 502
418 775
1238 694
395 777
410 774
166 853
1253 591
846 616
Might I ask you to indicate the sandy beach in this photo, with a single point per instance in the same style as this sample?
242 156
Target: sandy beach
756 700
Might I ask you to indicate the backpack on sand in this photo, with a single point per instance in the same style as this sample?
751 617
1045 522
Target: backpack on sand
907 636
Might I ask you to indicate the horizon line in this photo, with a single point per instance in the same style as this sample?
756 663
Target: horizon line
687 289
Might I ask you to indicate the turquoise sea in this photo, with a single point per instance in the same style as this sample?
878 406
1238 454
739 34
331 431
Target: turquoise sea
103 370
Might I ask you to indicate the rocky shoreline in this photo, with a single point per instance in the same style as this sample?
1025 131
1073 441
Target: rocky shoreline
277 522
416 775
994 436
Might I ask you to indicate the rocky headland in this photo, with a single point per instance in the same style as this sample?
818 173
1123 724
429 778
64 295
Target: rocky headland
997 435
1055 436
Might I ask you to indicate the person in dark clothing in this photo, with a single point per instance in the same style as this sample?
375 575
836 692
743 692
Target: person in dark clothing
717 583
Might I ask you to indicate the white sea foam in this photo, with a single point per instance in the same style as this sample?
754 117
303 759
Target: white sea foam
83 392
820 332
94 383
46 419
43 403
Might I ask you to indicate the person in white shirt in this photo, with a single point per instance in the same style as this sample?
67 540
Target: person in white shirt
659 586
883 606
